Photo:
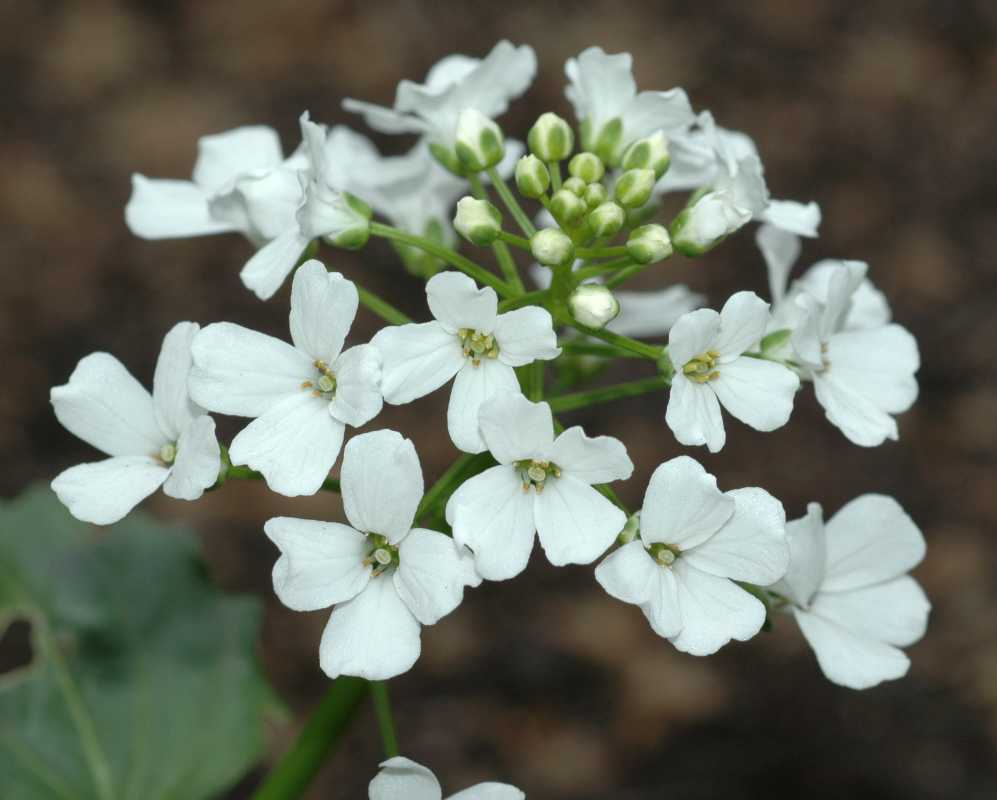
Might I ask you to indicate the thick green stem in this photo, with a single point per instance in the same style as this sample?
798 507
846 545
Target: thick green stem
625 274
606 394
505 260
554 167
525 225
295 770
514 240
430 498
600 252
594 270
382 308
582 347
535 381
530 298
382 708
624 342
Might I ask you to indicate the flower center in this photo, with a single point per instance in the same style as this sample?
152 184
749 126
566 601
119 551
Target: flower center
702 368
477 345
664 554
380 555
168 453
536 473
324 384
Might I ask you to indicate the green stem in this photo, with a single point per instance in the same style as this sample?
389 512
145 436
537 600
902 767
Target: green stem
554 167
382 708
525 225
625 274
247 474
296 768
606 394
594 270
437 489
502 254
624 342
584 348
451 257
528 299
382 308
514 240
535 381
600 252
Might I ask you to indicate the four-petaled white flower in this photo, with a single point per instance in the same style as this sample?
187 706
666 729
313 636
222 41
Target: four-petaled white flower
695 542
707 350
384 578
541 484
403 779
302 395
155 440
469 339
849 590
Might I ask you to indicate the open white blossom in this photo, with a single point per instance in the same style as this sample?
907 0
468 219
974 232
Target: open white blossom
849 591
403 779
541 484
384 577
695 542
707 350
470 339
155 440
302 395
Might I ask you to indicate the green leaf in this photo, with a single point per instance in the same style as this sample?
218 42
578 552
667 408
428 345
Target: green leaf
143 682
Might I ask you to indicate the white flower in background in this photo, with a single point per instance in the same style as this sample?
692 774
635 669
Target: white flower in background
155 440
542 485
612 112
707 350
384 578
468 339
849 590
454 84
302 395
695 542
403 779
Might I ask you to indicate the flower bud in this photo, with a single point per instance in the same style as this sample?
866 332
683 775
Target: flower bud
587 166
355 235
574 185
609 141
551 138
478 221
651 152
552 247
593 305
479 143
649 243
567 207
703 225
633 189
595 194
532 177
606 220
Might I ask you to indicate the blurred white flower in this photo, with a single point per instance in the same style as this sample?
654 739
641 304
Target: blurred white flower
403 779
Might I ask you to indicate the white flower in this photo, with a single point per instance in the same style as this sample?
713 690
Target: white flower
384 577
454 84
604 94
707 350
695 541
154 440
541 484
302 395
403 779
849 591
470 339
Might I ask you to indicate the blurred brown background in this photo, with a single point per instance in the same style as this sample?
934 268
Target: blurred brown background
884 112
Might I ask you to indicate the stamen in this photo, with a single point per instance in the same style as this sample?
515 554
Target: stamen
701 368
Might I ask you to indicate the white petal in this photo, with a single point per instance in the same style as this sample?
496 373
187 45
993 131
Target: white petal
759 393
797 218
871 539
294 444
895 612
502 75
515 428
105 491
629 573
381 483
743 320
807 557
264 273
662 608
221 157
601 85
403 779
492 514
263 205
372 636
384 119
165 209
433 571
683 505
323 306
855 416
103 405
655 111
598 459
198 460
877 364
526 335
693 414
358 386
780 249
473 386
848 659
416 360
843 281
320 564
691 335
174 408
457 302
575 523
241 372
489 791
652 314
714 611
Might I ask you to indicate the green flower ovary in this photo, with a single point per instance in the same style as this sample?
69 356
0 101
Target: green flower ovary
536 473
325 383
664 554
477 345
381 555
702 368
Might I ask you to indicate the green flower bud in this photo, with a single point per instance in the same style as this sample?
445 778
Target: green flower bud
703 225
595 195
552 247
551 138
567 207
479 143
532 177
478 221
355 236
575 186
447 157
609 142
587 166
651 152
593 305
606 220
649 243
634 187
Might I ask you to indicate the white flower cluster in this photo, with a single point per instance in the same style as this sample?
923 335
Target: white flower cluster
705 566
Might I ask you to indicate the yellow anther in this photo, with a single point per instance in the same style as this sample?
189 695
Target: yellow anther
701 368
